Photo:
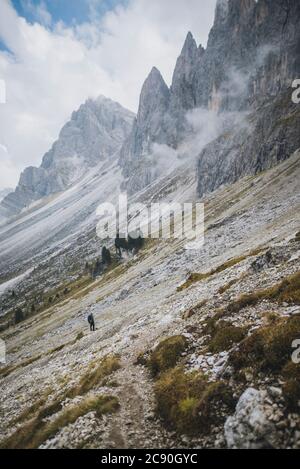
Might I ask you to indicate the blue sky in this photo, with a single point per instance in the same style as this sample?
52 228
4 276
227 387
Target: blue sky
68 11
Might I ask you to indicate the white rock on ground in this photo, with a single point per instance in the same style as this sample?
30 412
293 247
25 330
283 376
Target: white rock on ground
250 427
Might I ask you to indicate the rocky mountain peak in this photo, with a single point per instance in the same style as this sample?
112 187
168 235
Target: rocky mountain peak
183 77
154 80
152 125
154 85
95 132
155 74
252 56
189 46
154 97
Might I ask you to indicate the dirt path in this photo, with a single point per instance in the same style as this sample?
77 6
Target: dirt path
135 424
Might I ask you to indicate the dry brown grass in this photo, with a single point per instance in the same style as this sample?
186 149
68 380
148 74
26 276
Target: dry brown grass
9 369
188 403
38 430
225 336
166 354
288 290
269 348
198 277
93 377
227 286
269 351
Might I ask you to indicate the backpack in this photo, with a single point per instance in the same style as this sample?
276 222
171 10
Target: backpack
90 318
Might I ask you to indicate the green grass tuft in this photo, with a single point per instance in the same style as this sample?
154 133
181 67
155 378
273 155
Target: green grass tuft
188 403
268 349
166 354
225 336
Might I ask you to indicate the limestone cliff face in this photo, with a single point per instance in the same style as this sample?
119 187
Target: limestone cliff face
252 53
182 89
251 60
265 138
151 124
161 117
94 133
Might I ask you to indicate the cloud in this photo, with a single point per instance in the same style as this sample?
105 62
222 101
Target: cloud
39 11
49 72
7 173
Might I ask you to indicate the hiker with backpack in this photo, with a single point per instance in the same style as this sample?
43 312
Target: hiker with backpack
91 321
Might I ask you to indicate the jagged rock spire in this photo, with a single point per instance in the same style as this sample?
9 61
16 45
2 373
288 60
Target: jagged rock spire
182 93
155 95
155 79
190 46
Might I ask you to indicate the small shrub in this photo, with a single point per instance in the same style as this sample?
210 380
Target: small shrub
166 354
291 393
271 317
57 349
291 387
226 336
211 324
188 403
268 348
79 336
195 309
110 383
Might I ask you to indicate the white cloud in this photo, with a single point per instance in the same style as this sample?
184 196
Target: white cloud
8 170
38 11
50 72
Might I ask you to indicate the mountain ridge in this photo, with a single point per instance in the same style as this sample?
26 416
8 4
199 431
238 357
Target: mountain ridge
93 134
251 59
